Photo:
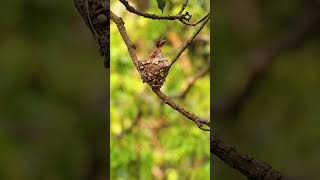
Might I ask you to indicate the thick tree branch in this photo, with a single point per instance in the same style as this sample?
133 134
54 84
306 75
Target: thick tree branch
95 15
244 163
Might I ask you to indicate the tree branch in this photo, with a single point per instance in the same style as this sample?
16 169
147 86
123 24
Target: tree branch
183 7
183 18
196 23
244 163
192 80
131 48
189 41
148 15
200 122
95 15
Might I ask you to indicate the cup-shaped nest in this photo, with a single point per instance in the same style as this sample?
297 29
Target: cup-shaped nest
154 71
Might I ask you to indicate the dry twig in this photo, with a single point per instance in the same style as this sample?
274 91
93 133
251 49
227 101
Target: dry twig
192 80
183 7
189 41
184 18
134 123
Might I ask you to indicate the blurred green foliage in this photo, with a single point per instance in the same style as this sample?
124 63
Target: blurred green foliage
52 93
163 144
279 122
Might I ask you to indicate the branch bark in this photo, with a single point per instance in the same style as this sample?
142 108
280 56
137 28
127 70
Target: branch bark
148 15
95 14
196 23
183 7
183 18
189 41
131 48
244 163
199 121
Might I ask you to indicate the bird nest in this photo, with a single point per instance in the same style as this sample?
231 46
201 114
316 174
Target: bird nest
154 71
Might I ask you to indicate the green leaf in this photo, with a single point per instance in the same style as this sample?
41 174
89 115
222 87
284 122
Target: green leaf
161 4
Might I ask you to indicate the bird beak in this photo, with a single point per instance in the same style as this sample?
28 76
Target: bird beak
161 42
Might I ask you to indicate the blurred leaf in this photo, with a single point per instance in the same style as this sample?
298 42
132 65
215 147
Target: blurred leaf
161 4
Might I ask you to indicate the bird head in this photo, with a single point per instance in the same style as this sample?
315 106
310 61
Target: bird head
161 42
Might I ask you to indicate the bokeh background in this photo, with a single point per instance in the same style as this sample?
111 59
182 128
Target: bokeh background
278 122
53 94
150 140
53 91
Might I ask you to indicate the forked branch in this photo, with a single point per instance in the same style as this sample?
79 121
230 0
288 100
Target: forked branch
189 41
131 48
184 18
245 164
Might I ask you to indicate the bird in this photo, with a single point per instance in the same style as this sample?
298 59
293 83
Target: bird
157 52
154 69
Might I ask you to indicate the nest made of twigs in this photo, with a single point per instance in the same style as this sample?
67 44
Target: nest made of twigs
154 71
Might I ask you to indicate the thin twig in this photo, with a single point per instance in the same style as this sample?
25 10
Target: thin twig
134 123
189 41
184 18
196 23
191 81
148 15
200 122
183 7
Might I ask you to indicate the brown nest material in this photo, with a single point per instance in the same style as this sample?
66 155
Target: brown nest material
154 71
